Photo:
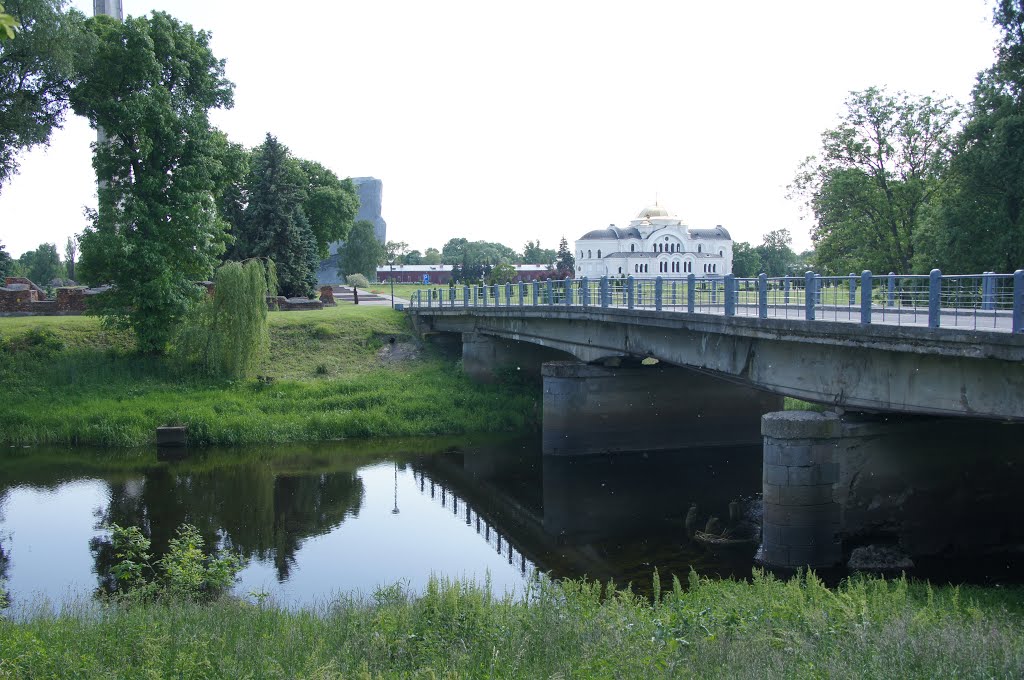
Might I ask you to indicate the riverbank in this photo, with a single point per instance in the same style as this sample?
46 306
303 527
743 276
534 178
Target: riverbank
341 372
866 628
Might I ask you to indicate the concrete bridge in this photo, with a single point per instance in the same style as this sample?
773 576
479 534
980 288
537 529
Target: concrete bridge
926 380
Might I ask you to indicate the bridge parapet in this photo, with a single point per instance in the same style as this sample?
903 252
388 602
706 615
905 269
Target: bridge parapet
988 301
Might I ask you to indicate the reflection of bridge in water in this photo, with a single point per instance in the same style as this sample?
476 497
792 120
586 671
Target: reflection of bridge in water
606 517
474 519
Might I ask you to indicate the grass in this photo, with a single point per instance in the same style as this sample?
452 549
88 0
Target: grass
865 628
66 380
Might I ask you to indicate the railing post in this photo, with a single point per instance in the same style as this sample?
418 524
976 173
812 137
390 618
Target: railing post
605 293
476 296
497 296
629 292
934 297
1018 301
658 286
691 293
465 296
536 292
430 298
891 296
762 296
451 296
508 294
730 295
568 291
988 291
809 295
853 289
483 294
785 289
585 291
550 291
866 289
522 292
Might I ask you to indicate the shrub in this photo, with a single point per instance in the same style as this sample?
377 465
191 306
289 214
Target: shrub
357 281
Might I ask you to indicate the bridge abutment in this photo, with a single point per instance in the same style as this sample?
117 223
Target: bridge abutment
929 486
485 357
597 409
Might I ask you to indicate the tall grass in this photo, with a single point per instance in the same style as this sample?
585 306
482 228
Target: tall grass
66 381
865 628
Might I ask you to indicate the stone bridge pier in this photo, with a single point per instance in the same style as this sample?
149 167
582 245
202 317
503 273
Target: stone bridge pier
632 407
927 486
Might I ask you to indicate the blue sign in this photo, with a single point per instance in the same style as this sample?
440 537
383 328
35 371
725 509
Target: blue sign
426 278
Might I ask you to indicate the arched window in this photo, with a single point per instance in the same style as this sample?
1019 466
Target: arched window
721 253
620 270
636 269
599 253
589 255
632 247
699 247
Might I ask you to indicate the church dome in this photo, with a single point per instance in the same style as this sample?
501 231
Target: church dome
652 211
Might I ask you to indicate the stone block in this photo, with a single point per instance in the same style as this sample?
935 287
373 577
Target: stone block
775 474
801 425
826 473
809 536
806 515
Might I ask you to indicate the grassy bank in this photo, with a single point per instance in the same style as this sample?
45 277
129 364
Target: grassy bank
331 374
866 628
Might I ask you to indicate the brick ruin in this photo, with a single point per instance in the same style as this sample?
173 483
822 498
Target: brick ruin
19 296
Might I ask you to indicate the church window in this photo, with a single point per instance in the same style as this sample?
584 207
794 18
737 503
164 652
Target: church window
589 255
699 248
620 270
599 253
632 247
721 253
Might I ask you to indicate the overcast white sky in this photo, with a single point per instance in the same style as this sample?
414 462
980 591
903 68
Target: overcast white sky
511 121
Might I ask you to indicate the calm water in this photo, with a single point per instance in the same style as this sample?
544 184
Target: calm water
314 521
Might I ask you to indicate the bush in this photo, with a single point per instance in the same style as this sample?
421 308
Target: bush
184 573
357 281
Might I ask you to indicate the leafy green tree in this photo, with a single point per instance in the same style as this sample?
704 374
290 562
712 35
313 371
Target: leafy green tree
745 260
879 170
227 335
534 254
412 257
273 222
148 83
362 252
502 273
775 255
6 263
565 263
431 256
70 255
979 222
42 265
476 252
8 24
36 69
330 204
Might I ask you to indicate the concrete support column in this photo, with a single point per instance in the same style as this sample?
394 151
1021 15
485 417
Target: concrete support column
597 409
801 519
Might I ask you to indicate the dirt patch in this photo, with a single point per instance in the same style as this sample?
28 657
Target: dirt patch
397 352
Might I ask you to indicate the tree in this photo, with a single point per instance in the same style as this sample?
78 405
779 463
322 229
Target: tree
8 24
534 254
879 170
480 252
41 265
330 204
979 222
36 68
227 335
565 263
412 257
70 253
502 273
745 260
362 252
148 83
431 256
394 251
774 254
6 263
273 223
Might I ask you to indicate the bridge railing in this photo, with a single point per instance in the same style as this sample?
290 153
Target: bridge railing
986 301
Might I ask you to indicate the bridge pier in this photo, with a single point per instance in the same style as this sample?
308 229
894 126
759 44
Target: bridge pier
597 409
931 486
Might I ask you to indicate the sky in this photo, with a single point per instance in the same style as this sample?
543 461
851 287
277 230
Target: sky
530 120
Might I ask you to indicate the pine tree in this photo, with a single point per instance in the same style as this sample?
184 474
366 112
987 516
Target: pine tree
565 264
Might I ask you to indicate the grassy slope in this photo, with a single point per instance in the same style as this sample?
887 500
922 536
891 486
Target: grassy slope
65 380
867 628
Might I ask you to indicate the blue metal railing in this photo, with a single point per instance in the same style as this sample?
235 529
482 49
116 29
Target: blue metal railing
986 301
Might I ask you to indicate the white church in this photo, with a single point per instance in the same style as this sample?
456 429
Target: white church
654 244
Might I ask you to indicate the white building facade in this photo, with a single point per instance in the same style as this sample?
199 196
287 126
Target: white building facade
654 244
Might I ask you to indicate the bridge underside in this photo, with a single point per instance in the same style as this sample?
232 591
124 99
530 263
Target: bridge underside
881 369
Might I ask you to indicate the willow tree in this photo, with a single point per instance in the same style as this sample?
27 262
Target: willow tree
227 335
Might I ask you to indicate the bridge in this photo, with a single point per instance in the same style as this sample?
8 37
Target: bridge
668 363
